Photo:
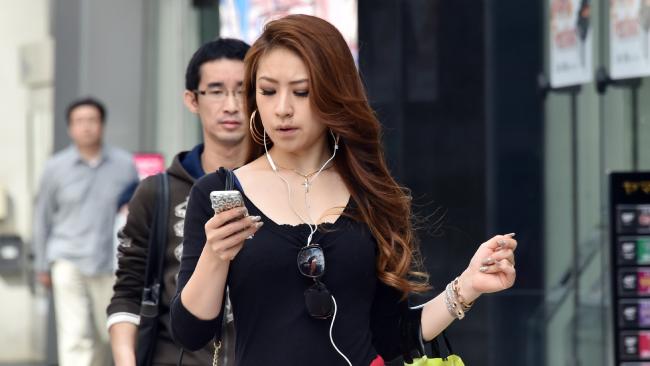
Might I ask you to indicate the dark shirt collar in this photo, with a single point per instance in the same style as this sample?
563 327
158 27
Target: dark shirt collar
192 162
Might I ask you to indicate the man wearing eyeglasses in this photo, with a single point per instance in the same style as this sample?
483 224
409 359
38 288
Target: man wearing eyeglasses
213 83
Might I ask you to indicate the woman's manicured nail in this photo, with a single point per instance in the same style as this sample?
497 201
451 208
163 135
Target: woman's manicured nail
488 262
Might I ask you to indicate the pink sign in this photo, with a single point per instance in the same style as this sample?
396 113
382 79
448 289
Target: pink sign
644 344
148 164
643 281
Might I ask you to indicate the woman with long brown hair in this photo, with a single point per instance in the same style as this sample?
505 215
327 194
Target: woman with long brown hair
318 273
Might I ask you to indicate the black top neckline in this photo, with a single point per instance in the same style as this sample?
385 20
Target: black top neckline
267 220
267 292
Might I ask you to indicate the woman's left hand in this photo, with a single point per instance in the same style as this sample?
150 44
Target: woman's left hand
491 269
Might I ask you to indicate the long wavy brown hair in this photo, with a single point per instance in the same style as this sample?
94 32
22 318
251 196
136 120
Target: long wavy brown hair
339 99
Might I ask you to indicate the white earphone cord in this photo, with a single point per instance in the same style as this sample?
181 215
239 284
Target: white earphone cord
331 338
336 147
314 228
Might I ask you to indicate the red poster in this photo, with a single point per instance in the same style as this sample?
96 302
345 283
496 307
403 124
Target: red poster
644 344
643 281
149 164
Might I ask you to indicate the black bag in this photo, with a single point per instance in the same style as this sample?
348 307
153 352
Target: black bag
153 281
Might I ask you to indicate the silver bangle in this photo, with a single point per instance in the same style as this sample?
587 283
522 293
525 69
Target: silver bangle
450 308
453 306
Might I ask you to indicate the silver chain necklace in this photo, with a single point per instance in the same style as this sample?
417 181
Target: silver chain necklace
313 227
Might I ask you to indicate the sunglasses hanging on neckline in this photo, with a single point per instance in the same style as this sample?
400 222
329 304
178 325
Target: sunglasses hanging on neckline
311 263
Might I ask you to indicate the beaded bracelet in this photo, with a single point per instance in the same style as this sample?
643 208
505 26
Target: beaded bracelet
453 307
456 304
455 284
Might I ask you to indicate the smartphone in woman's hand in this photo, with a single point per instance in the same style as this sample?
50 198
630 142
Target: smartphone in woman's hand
225 200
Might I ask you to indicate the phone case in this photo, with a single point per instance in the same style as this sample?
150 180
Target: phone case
225 200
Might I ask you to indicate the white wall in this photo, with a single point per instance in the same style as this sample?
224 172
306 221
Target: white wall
22 23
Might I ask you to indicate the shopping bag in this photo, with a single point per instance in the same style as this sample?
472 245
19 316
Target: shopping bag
452 360
438 357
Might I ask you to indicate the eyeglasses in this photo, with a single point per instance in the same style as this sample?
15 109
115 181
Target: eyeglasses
311 263
219 95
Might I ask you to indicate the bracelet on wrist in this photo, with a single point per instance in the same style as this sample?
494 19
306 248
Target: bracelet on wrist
461 300
453 306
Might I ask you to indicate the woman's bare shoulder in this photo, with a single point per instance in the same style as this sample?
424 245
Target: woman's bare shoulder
254 171
256 165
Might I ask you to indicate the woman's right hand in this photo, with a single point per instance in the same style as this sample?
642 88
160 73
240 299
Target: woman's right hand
225 232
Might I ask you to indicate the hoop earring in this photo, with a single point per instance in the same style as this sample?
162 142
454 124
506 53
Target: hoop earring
255 135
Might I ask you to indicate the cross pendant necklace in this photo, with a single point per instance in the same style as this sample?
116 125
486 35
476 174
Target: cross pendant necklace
307 183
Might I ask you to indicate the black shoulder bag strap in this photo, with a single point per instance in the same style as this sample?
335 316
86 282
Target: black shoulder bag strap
411 342
151 293
228 180
435 346
228 185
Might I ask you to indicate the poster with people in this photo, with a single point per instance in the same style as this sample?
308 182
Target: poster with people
244 19
629 38
570 42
